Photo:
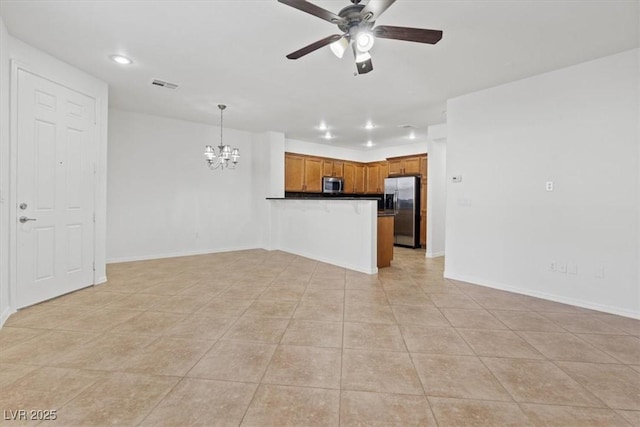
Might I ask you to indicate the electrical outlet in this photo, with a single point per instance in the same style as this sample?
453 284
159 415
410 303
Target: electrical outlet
549 186
552 266
562 267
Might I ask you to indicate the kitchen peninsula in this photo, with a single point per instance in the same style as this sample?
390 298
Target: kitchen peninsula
342 231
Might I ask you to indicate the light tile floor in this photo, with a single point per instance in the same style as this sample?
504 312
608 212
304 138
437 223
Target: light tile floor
258 338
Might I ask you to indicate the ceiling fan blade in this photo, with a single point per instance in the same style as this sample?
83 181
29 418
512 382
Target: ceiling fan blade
374 9
364 67
419 35
315 46
314 10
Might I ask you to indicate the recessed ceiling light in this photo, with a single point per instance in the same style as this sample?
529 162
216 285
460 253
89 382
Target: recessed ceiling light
412 135
323 126
369 125
328 135
369 144
122 60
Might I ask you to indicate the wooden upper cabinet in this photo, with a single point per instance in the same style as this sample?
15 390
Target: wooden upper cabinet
333 167
302 173
293 172
359 178
410 165
383 173
395 167
375 175
371 180
313 173
349 175
353 174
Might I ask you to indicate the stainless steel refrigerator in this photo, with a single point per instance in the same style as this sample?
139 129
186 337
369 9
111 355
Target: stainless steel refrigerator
402 197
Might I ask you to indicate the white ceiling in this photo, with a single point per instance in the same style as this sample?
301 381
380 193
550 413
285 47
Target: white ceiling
233 52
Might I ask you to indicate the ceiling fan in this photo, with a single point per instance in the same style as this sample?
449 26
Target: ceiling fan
356 23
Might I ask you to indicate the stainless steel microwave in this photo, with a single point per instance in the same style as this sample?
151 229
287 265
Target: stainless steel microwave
332 185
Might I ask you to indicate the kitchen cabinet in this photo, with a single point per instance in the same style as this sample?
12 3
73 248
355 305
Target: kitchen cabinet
375 175
423 200
333 167
303 173
385 240
353 174
404 166
359 178
293 173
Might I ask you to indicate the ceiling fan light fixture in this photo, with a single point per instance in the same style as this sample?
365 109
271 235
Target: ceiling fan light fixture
362 57
364 41
339 47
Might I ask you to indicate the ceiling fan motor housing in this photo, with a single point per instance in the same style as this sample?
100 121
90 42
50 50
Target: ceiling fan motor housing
352 19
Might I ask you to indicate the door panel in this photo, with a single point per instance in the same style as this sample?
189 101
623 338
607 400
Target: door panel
55 180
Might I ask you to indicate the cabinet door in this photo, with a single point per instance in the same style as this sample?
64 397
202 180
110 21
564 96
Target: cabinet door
349 175
338 168
411 166
383 172
313 170
327 167
293 173
395 167
359 187
371 184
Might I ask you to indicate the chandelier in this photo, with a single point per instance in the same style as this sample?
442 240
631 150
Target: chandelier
227 157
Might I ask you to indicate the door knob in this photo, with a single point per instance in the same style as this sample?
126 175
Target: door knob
24 219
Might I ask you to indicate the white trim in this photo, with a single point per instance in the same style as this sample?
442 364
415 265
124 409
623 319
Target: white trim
178 254
5 315
543 295
435 254
330 261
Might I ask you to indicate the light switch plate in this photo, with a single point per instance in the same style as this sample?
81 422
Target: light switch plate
456 178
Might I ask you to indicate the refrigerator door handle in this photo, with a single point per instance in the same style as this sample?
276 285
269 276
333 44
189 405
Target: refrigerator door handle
395 202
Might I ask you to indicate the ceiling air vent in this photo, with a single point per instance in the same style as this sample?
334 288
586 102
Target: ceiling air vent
164 84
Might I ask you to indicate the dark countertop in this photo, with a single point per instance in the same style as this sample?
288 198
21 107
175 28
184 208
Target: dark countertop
324 198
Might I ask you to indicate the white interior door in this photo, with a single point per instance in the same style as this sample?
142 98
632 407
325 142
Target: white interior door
55 189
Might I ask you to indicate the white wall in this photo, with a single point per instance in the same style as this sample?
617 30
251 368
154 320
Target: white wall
368 155
436 191
577 127
5 308
268 178
162 198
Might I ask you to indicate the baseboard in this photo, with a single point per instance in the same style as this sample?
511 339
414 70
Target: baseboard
358 268
435 254
178 254
5 315
101 280
543 295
